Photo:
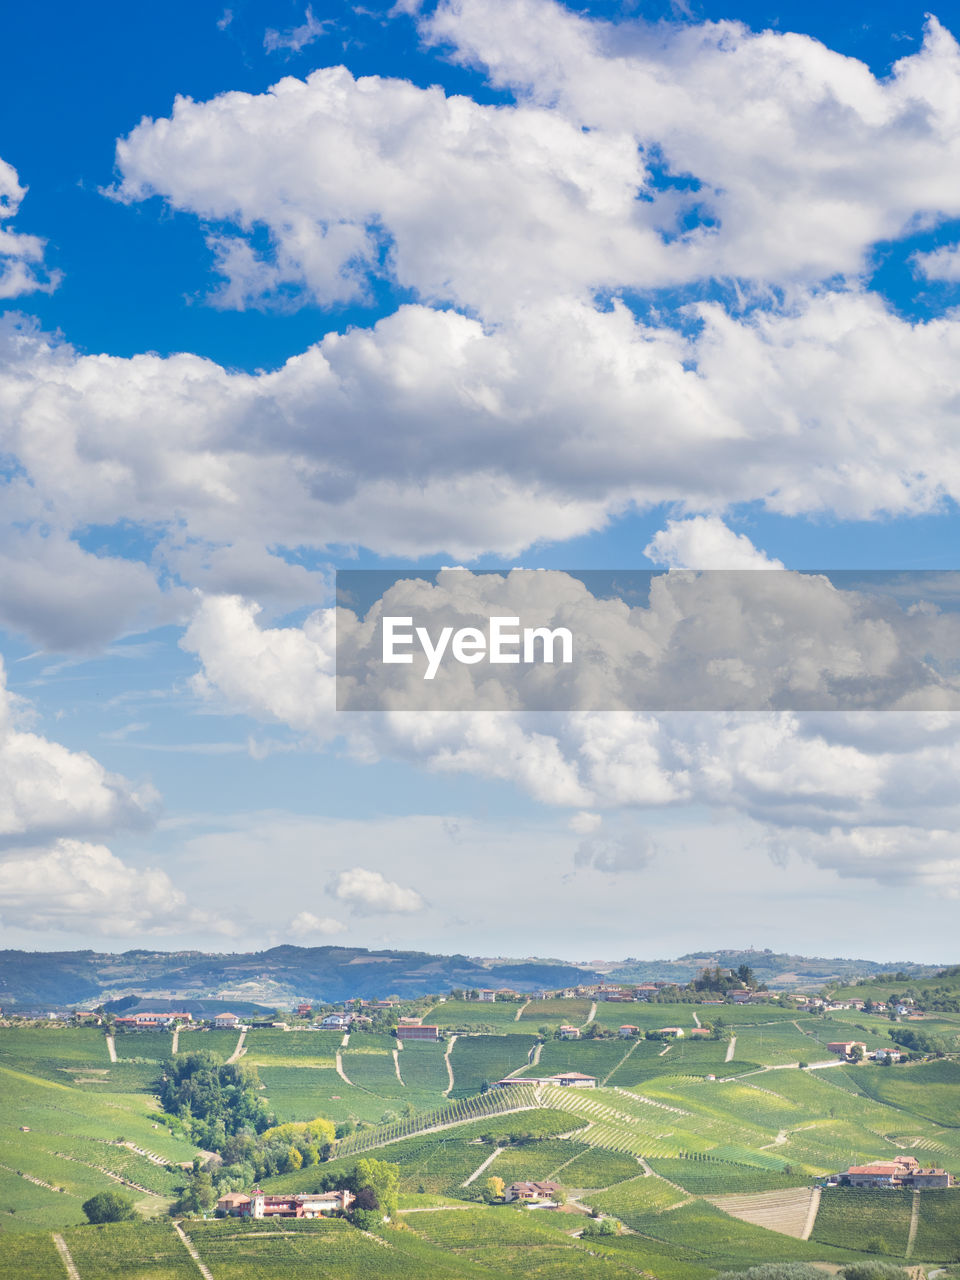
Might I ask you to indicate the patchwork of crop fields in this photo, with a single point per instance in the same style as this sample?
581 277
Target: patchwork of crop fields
753 1139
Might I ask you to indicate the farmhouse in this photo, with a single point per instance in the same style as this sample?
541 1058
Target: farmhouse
845 1047
418 1033
902 1171
675 1032
627 1032
336 1022
151 1021
569 1033
227 1020
566 1080
488 994
317 1204
531 1192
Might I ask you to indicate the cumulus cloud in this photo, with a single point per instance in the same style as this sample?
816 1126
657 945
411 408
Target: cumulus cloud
307 925
705 542
74 886
793 159
368 893
21 256
47 790
788 772
538 406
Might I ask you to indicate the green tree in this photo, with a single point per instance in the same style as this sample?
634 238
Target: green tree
382 1179
493 1190
109 1206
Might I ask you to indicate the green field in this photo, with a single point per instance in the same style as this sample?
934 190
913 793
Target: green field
69 1121
479 1060
858 1217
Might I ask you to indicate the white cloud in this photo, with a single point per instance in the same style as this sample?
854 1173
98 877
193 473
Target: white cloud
21 256
47 790
73 886
790 771
939 264
626 854
307 925
296 38
705 542
585 823
370 893
794 159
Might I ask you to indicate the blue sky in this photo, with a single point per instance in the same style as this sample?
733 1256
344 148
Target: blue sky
614 286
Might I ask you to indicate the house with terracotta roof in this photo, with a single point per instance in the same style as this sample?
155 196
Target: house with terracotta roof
569 1033
901 1171
418 1033
627 1032
318 1204
531 1192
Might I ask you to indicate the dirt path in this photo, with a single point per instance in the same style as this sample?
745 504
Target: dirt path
486 1165
731 1049
620 1063
696 1021
192 1250
665 1049
396 1064
340 1071
68 1262
914 1220
175 1042
812 1214
521 1009
112 1051
346 1040
446 1058
590 1016
537 1050
238 1051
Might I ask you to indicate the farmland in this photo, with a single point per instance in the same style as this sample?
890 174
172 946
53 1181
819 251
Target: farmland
711 1173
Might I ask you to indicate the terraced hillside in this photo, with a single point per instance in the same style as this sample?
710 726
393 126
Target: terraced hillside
711 1162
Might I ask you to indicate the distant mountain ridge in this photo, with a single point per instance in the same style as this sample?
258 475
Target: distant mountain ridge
29 979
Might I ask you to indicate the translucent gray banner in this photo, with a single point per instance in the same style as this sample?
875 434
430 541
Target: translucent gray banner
641 640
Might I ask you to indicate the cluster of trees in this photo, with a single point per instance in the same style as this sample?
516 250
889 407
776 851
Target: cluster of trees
920 1042
724 980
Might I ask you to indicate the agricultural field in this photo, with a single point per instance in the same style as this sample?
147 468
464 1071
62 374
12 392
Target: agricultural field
776 1043
289 1048
498 1017
752 1141
130 1251
593 1057
938 1232
717 1178
423 1067
861 1218
929 1089
302 1093
554 1013
635 1199
480 1060
153 1046
211 1040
